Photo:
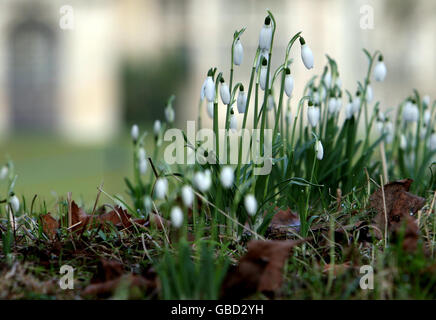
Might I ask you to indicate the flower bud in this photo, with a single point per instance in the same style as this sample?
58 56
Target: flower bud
187 196
238 53
224 92
241 102
380 70
306 54
134 133
176 217
161 188
250 204
319 149
265 35
227 177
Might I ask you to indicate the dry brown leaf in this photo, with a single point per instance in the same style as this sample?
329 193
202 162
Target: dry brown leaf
399 203
260 270
282 222
49 225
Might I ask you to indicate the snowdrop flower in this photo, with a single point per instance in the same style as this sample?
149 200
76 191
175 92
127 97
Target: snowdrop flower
241 102
349 110
147 204
250 204
381 116
380 70
263 74
238 53
403 142
134 133
224 92
227 177
203 180
4 172
143 166
339 103
187 196
380 125
270 104
161 188
176 217
410 112
209 108
356 103
426 100
14 203
313 114
289 83
203 90
332 104
156 127
338 82
319 149
328 79
209 89
427 116
142 155
369 93
306 54
432 141
169 113
423 132
389 131
265 35
233 123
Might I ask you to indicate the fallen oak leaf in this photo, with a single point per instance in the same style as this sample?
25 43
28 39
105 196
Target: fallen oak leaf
399 203
260 270
50 225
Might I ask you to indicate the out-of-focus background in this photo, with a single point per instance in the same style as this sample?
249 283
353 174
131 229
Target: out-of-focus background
68 96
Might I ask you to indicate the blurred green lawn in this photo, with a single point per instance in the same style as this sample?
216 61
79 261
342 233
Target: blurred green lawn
51 167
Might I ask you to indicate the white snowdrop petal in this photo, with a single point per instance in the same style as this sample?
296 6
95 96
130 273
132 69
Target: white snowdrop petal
134 132
156 127
176 217
380 71
319 149
4 171
209 108
307 56
227 177
161 188
241 102
187 196
250 204
289 85
210 89
238 53
225 93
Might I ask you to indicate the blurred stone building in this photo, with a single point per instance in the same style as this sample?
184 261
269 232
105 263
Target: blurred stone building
66 82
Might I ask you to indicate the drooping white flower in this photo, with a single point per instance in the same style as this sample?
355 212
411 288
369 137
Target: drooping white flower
187 196
161 188
142 155
381 116
319 149
380 70
426 100
306 54
403 142
169 113
176 217
209 108
270 104
410 112
156 127
241 101
233 122
224 92
203 90
349 110
265 35
209 90
250 204
313 115
238 53
369 93
427 116
289 83
134 133
14 203
143 165
328 79
388 129
203 180
4 171
356 103
227 177
263 74
332 105
147 204
432 142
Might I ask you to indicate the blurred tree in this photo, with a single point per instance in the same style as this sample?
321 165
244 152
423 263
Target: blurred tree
146 85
